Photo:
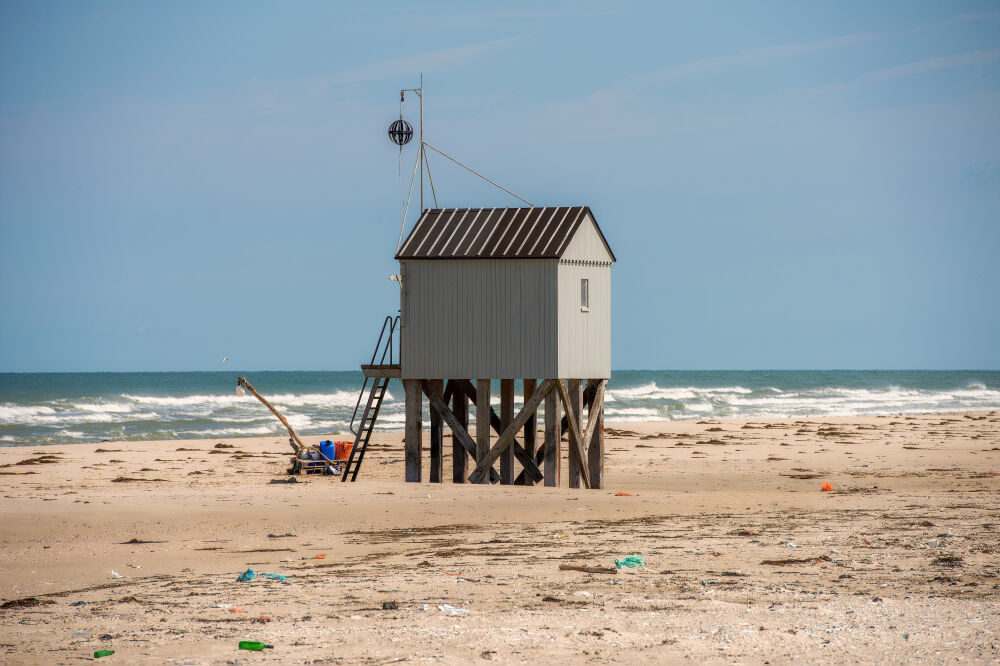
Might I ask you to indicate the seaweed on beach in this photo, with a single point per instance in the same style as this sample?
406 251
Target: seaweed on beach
46 459
805 560
26 602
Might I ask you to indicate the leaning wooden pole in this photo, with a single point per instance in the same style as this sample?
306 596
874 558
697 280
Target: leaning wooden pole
244 384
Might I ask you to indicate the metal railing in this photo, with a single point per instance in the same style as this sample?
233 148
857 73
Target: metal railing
390 325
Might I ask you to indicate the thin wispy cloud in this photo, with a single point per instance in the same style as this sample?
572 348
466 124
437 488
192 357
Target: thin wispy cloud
496 18
929 65
958 20
885 74
747 58
425 61
768 54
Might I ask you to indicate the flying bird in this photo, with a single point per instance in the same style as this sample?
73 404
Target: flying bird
225 359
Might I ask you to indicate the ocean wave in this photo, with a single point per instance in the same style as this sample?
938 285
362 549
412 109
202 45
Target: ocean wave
651 391
237 431
148 411
648 392
11 412
59 418
286 400
104 406
632 411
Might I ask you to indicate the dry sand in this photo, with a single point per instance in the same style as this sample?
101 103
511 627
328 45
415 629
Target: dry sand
747 561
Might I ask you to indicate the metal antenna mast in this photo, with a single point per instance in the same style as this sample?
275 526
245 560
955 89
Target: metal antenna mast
401 133
420 158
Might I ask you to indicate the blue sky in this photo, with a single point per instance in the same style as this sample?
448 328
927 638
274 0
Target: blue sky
785 185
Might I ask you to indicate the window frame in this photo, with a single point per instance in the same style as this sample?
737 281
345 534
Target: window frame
584 294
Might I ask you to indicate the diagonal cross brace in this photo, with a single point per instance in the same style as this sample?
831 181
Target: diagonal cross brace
507 438
588 399
457 431
530 466
576 445
595 408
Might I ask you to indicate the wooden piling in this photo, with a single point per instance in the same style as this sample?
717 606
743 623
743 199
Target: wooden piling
531 427
575 387
553 441
482 419
595 450
413 430
506 416
437 440
460 459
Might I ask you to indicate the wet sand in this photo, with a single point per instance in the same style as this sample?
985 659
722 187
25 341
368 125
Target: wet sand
746 559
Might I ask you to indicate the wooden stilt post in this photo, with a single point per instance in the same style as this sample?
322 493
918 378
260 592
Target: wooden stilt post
506 416
437 440
413 429
595 450
575 387
460 459
531 427
482 419
553 441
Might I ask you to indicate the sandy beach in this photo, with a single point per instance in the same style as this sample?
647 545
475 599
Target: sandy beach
747 560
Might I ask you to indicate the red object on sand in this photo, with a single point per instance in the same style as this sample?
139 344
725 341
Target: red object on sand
622 493
342 450
826 487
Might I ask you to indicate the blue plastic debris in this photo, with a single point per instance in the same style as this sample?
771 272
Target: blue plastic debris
246 576
631 561
271 576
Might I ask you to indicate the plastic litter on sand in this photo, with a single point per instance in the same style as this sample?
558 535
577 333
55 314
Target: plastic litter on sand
632 561
115 574
246 576
448 608
273 576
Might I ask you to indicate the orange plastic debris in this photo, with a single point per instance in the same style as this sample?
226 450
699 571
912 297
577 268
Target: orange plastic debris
321 556
236 610
826 487
622 493
265 618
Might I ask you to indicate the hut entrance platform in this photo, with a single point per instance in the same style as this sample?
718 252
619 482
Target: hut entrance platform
377 371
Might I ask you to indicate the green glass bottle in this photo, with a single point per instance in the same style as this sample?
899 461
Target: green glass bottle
103 653
254 645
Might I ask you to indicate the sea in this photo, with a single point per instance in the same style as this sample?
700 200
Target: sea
49 408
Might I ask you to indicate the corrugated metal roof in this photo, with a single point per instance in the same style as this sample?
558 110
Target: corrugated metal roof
495 233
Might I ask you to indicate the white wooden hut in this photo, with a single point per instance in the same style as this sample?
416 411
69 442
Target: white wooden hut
506 293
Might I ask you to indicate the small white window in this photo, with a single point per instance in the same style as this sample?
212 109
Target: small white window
585 295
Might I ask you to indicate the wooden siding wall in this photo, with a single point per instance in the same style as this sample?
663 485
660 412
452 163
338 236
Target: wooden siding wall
480 318
584 337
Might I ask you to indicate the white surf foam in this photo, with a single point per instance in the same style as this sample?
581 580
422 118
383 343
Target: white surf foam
12 412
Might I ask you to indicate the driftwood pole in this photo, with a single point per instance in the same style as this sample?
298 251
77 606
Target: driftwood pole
243 383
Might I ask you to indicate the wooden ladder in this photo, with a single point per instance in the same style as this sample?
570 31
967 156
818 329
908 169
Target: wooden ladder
365 427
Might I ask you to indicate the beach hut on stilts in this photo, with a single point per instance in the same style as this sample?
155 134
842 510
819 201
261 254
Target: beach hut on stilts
489 296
